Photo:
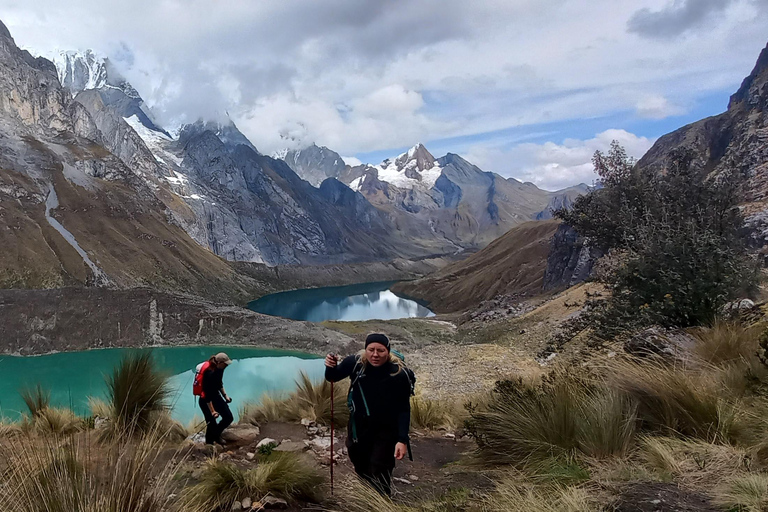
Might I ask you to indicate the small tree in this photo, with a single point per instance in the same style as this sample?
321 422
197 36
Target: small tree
674 238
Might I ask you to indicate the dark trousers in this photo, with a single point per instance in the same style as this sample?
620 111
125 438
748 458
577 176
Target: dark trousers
214 430
373 456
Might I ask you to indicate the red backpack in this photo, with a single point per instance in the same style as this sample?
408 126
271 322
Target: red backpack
197 383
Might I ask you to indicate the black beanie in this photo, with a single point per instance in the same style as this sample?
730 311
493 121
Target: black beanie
377 338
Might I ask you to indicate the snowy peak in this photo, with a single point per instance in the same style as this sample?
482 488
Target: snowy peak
416 158
79 71
414 168
226 131
314 163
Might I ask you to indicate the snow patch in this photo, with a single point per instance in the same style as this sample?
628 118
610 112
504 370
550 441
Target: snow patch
155 141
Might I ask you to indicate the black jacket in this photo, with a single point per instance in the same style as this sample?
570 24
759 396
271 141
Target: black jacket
212 383
381 398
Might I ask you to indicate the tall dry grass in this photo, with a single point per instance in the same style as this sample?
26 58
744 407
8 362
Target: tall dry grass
430 414
137 393
512 496
523 423
36 399
283 474
748 493
311 400
66 477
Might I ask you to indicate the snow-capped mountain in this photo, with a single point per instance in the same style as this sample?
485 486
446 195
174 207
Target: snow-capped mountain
84 71
314 163
79 71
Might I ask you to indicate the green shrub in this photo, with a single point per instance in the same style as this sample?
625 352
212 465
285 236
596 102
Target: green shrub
674 240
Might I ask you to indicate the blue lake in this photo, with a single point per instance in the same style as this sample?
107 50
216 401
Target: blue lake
72 377
356 302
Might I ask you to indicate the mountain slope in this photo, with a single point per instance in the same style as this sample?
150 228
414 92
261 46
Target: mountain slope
71 212
512 264
734 140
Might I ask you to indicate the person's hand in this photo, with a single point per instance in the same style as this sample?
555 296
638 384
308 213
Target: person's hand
228 399
400 451
331 360
215 414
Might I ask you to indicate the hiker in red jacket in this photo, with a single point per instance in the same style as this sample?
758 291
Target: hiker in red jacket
213 399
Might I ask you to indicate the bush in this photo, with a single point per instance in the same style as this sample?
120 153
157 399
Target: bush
137 391
282 474
522 424
673 238
311 400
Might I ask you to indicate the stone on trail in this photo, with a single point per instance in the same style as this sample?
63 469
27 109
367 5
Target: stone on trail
275 503
237 506
241 434
197 438
267 441
247 503
291 446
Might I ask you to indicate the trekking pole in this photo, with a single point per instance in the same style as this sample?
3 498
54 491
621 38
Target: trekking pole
332 400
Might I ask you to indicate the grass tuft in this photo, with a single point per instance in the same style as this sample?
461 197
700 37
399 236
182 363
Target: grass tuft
429 414
282 474
64 477
565 414
746 492
310 400
36 399
137 392
511 496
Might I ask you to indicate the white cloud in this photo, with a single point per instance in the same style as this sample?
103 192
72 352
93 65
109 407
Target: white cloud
351 161
655 106
554 166
365 75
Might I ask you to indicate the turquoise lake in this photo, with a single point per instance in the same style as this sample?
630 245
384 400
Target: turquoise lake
72 377
347 303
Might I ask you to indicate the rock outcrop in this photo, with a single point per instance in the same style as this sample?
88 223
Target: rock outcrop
570 259
734 141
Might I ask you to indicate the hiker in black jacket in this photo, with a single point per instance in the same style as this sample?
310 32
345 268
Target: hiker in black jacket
380 408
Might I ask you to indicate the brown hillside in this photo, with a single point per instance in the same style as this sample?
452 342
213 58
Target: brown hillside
514 263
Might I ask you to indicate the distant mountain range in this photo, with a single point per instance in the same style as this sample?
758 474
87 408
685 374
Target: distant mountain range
457 200
245 206
93 190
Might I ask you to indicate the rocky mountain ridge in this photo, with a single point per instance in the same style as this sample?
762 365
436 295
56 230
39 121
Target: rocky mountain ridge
734 141
457 200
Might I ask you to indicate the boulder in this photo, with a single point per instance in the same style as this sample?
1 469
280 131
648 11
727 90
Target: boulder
275 503
241 434
671 344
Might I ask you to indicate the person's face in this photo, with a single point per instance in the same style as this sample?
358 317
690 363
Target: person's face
377 354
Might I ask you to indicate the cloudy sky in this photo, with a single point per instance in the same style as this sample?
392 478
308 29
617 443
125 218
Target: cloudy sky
525 88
